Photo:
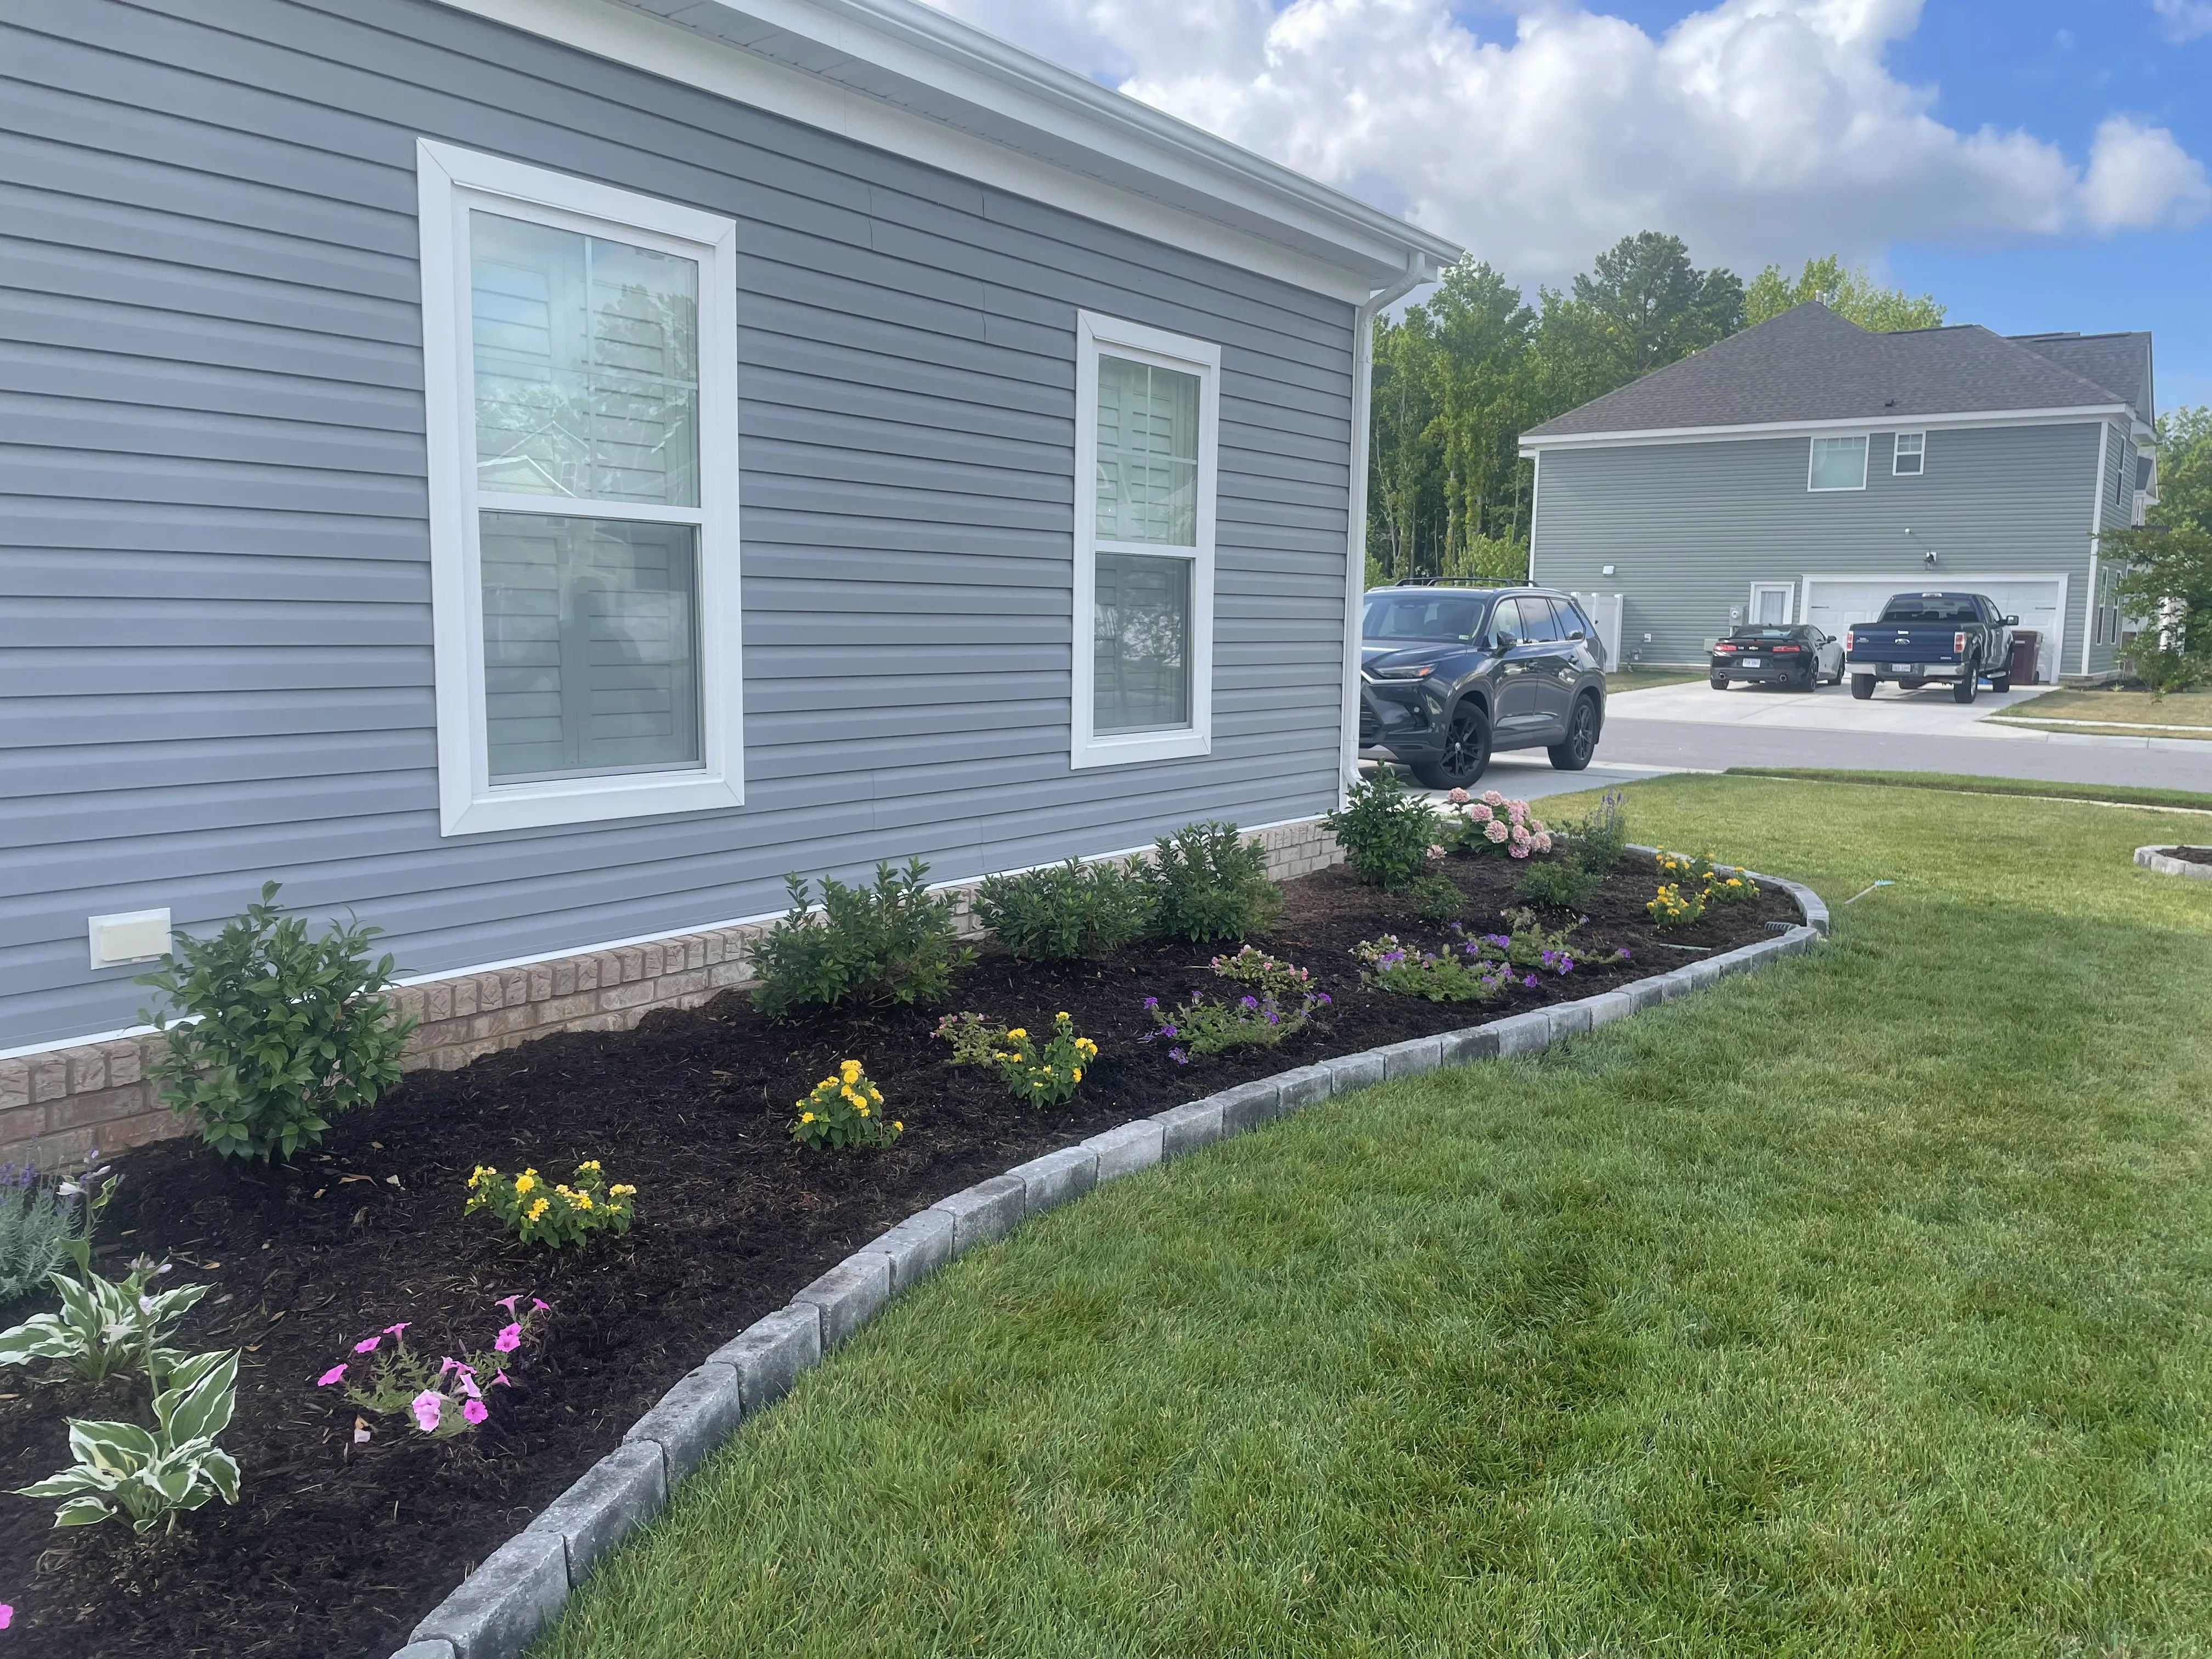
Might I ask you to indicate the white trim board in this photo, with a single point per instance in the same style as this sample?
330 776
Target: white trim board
1689 434
999 117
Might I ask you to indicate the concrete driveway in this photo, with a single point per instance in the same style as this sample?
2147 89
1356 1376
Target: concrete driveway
1928 713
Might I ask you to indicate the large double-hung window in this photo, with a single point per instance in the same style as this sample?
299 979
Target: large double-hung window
1145 422
580 366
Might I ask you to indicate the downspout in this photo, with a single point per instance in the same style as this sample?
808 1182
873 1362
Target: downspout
2096 548
1355 538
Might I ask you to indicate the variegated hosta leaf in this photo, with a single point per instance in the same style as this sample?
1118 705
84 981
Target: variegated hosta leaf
42 1338
82 1512
120 1448
77 1479
198 1403
220 1469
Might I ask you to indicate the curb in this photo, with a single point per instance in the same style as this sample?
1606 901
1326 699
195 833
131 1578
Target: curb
499 1610
2151 858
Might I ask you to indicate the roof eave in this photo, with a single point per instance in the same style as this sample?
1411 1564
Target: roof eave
1535 441
873 69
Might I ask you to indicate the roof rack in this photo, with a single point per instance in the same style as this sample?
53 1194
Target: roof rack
1457 581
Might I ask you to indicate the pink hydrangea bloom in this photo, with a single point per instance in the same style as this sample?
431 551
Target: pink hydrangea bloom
1536 824
367 1345
474 1412
1457 798
1543 843
1435 853
508 1340
1491 798
1479 813
1495 831
335 1374
1519 850
429 1407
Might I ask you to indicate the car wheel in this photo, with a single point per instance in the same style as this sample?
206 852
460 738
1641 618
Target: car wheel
1968 683
1862 686
1575 753
1812 680
1466 751
1720 681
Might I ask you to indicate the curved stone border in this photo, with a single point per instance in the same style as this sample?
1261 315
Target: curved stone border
2151 858
522 1585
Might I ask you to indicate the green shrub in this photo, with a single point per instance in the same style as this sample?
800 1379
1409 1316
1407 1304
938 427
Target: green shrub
1207 883
1072 911
1560 882
893 942
1437 899
150 1476
1385 830
281 1032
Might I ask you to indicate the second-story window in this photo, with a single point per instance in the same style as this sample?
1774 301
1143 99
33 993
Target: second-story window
1839 464
1910 455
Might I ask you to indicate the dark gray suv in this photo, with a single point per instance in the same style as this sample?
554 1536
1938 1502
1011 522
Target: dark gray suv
1450 674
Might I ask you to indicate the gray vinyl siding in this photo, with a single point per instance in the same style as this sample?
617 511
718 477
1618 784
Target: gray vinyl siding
215 638
1689 526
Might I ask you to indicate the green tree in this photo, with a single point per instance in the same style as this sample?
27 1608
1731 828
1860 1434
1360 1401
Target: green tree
1641 306
1848 293
2167 579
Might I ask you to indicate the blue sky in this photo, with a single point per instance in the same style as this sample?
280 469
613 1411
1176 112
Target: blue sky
2035 164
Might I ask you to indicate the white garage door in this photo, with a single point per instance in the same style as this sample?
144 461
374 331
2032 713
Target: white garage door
1834 603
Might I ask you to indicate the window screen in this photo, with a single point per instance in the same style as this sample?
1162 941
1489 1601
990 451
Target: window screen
1147 470
1911 454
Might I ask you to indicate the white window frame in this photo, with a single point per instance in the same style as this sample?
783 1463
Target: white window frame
1812 449
449 183
1788 592
1095 334
1920 455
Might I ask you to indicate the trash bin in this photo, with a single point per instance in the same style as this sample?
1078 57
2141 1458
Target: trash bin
2026 645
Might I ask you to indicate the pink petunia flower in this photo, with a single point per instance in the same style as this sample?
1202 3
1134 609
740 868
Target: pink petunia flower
501 1380
7 1615
469 1384
536 1306
394 1330
508 1340
336 1373
474 1412
429 1407
509 1302
367 1345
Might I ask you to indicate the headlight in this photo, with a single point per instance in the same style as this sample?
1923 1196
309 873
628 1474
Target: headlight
1420 673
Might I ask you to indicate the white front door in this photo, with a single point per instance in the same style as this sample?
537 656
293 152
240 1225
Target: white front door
1769 604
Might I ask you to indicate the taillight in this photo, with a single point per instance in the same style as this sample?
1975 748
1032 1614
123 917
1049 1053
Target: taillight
1724 646
1781 650
1958 644
1849 635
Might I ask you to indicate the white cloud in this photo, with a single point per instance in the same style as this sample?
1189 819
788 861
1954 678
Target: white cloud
2185 19
1758 130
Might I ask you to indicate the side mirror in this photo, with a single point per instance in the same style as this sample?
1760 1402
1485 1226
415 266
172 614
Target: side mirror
1577 634
2012 622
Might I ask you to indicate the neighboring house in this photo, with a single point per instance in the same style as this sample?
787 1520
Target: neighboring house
534 472
1805 469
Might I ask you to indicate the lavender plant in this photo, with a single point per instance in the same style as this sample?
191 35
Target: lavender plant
39 1214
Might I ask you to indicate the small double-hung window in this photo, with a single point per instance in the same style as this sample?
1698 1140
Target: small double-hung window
1146 420
580 371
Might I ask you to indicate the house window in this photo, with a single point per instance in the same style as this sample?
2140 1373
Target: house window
579 374
1144 425
2124 484
1769 604
1910 456
1839 464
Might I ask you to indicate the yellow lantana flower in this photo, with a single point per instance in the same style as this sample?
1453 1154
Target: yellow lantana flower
523 1184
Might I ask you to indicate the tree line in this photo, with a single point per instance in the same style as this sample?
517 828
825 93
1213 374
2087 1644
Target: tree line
1459 377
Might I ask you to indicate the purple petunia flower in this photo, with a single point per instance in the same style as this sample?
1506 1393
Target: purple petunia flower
508 1340
336 1373
474 1412
429 1407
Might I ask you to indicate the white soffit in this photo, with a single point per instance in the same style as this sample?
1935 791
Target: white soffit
901 76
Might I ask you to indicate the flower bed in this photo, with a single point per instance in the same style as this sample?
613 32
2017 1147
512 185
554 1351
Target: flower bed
338 1544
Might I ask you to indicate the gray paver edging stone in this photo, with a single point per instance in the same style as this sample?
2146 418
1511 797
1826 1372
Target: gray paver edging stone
2153 858
501 1605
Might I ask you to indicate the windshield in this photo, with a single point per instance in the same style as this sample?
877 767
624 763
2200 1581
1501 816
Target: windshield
1421 615
1764 634
1930 608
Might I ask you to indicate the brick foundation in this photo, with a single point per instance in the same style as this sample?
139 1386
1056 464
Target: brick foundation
57 1105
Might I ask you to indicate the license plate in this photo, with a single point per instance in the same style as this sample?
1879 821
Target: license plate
1750 662
1902 668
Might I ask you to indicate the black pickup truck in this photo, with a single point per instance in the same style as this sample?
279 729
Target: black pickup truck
1962 638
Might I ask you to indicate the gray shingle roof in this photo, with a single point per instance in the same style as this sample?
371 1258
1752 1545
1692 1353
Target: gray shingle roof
2121 361
1810 364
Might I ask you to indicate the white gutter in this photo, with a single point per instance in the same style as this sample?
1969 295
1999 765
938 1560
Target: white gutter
2081 413
1418 271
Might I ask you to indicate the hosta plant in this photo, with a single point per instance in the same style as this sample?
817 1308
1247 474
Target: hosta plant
104 1329
845 1111
1036 1070
442 1400
272 1033
150 1476
553 1214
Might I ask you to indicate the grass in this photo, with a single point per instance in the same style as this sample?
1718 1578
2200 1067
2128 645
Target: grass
1955 783
1620 680
1860 1307
2121 706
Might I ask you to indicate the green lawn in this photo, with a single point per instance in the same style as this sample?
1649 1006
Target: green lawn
1862 1306
2124 705
1620 680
